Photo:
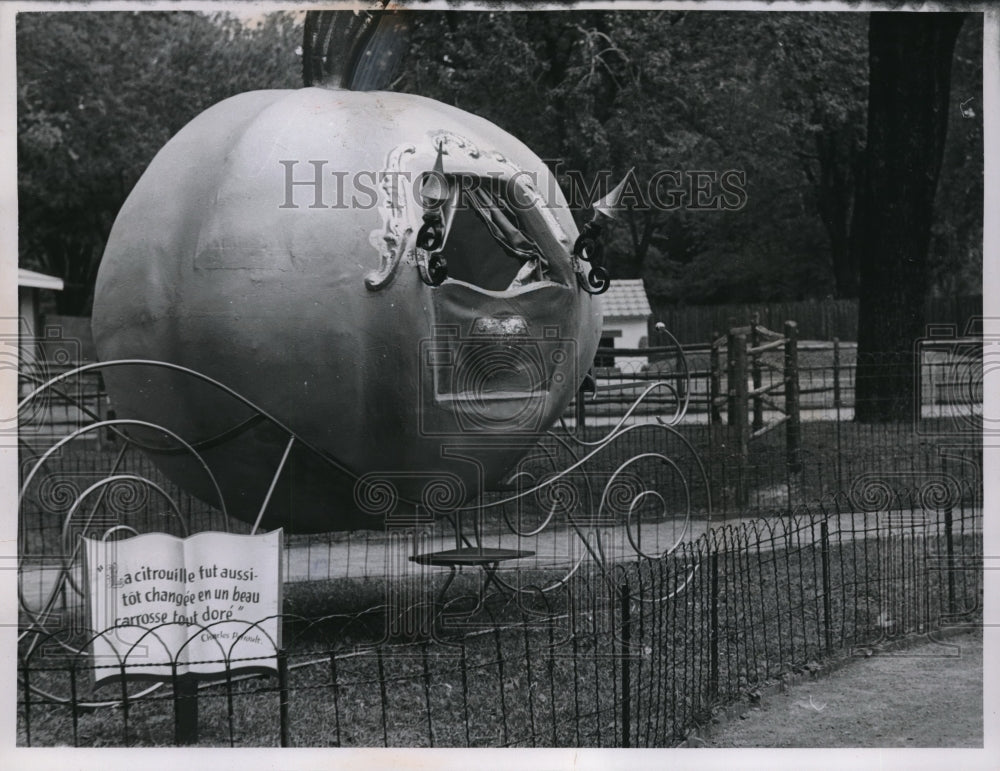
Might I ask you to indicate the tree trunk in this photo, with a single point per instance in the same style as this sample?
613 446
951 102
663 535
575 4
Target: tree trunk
835 190
910 58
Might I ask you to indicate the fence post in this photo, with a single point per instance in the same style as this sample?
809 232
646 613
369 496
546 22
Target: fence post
827 607
283 697
185 709
837 403
793 430
731 377
836 376
678 359
713 633
740 417
758 404
109 431
75 705
949 541
714 382
26 680
918 386
626 610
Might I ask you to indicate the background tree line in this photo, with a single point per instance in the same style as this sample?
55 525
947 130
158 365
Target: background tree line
781 97
98 94
856 139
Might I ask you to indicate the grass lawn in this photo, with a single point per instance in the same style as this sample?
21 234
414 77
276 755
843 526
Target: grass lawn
558 671
550 673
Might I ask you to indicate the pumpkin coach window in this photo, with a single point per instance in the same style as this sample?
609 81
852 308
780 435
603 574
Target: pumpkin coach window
486 243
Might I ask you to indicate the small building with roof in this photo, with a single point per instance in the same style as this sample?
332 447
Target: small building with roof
30 285
626 323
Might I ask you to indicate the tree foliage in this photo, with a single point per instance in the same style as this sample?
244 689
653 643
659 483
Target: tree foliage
599 93
779 98
98 95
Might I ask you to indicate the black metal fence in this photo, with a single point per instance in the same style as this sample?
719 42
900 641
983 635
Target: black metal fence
873 534
759 453
818 319
947 382
631 654
711 478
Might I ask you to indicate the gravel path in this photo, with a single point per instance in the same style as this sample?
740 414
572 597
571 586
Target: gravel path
926 695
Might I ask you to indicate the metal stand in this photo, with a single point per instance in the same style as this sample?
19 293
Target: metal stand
592 524
487 559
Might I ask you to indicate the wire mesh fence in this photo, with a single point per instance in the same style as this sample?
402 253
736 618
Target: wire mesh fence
708 477
831 449
624 654
945 375
819 319
873 534
760 452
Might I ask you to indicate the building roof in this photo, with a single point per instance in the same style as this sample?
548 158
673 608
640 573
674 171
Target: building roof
626 299
35 280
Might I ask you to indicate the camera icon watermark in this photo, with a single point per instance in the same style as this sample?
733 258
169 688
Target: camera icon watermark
909 493
68 505
495 378
951 369
581 497
402 499
37 359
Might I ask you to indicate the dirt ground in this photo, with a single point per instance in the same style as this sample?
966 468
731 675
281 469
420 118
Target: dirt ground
926 695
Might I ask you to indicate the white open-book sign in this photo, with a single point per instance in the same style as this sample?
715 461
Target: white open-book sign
204 602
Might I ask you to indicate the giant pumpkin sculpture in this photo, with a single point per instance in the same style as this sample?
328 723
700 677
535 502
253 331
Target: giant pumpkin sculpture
390 277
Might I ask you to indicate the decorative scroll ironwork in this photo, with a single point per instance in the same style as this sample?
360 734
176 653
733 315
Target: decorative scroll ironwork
396 243
606 516
392 239
609 528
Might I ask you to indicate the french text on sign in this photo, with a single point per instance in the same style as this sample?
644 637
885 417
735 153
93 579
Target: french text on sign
203 603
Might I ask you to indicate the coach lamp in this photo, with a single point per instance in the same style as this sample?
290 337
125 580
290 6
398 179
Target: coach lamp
589 246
